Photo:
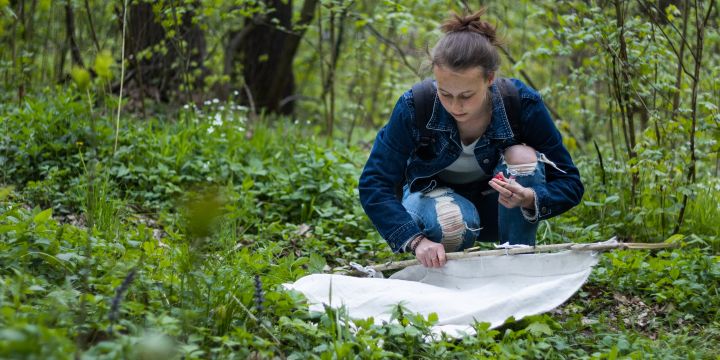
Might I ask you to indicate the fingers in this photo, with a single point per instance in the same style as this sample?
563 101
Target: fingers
422 254
505 202
421 259
441 256
501 187
497 185
435 261
505 187
511 193
431 254
511 201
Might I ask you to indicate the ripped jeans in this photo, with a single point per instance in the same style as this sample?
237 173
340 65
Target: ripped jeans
457 215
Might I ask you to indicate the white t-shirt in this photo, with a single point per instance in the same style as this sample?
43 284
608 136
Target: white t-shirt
465 169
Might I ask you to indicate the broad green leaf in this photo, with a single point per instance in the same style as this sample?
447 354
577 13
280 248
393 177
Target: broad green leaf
675 238
43 216
5 192
538 329
66 256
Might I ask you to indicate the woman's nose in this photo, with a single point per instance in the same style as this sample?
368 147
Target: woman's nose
457 106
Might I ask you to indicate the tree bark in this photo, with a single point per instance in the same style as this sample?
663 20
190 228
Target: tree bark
621 80
700 25
681 59
163 74
267 53
72 42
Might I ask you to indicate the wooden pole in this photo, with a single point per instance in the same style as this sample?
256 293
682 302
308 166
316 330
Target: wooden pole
601 246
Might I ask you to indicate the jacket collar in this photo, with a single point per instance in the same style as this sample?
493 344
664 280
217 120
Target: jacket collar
499 127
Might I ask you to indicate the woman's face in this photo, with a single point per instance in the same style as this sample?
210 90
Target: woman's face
463 93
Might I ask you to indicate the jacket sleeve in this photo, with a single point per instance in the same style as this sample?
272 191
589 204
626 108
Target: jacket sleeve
384 169
563 188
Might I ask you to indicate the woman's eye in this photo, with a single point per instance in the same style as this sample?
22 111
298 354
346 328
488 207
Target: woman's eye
461 97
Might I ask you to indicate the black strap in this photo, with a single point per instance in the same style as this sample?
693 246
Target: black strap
424 99
511 102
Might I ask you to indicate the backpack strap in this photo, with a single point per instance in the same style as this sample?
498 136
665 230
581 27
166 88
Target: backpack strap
424 99
511 102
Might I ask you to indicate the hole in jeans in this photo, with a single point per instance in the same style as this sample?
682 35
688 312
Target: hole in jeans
451 222
522 169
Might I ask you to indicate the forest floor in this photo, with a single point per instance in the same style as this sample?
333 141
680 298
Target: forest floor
175 244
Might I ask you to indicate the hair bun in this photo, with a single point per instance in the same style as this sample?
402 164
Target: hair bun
470 23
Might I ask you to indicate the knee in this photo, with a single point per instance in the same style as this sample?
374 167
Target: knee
451 220
520 154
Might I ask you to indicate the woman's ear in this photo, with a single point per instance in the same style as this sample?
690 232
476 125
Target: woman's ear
490 78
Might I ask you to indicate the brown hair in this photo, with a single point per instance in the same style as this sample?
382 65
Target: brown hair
468 42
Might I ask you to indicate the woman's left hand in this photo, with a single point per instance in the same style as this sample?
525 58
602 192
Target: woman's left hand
512 194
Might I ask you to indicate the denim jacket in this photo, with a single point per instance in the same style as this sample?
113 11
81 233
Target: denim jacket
393 159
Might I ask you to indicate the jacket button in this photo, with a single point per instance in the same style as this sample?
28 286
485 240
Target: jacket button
486 161
543 210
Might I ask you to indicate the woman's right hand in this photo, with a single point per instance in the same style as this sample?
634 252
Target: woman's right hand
430 253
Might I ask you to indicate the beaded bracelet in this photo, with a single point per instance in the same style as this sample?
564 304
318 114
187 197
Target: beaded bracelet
414 244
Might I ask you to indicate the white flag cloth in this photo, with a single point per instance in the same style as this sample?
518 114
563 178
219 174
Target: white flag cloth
485 289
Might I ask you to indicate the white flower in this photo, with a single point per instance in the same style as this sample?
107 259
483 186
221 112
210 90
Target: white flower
215 101
218 120
210 130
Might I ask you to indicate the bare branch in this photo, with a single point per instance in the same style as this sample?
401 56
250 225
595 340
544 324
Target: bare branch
528 80
396 47
661 12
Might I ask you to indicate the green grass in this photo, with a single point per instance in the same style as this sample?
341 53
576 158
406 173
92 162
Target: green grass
197 214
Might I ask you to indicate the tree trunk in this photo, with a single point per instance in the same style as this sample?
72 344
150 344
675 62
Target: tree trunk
163 75
699 45
681 59
621 82
267 54
72 42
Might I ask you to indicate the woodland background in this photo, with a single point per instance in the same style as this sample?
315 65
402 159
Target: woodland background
166 165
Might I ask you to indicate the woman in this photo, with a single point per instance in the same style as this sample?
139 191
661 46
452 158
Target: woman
461 193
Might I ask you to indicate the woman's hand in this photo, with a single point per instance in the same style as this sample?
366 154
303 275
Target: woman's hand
512 194
430 253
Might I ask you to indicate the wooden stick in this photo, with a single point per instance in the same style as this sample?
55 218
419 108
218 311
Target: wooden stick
602 246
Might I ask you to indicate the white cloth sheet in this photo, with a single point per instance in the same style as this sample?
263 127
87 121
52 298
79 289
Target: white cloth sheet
485 289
